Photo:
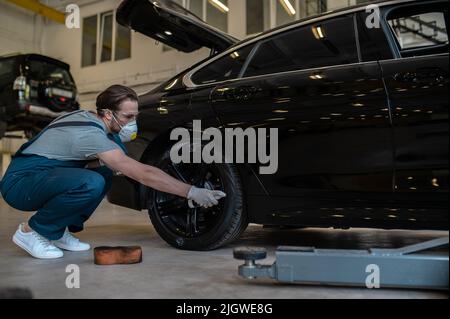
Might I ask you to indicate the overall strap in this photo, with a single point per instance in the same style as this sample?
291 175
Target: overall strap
66 115
116 138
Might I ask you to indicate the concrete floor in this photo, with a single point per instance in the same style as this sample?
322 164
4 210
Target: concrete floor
169 273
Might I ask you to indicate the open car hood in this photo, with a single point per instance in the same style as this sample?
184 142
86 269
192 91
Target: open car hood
173 25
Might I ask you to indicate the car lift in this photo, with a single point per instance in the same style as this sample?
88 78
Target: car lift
406 267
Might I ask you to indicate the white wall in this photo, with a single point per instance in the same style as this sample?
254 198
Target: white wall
147 66
20 30
338 4
23 31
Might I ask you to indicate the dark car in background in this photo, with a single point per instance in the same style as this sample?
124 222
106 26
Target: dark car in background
34 90
362 114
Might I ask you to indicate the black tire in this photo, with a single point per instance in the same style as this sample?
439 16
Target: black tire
202 229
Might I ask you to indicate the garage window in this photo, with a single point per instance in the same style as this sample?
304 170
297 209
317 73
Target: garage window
89 41
214 12
329 43
106 30
217 14
104 40
286 11
258 16
314 7
122 47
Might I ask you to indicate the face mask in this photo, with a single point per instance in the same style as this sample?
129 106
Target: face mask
127 132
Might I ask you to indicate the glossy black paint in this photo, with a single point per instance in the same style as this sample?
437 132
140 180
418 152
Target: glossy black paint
360 145
171 24
418 94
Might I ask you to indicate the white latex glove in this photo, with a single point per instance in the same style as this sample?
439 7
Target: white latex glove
204 197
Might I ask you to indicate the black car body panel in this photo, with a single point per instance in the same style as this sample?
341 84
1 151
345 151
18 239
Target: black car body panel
170 23
361 144
34 89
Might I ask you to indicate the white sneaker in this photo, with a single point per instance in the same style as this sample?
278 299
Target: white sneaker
36 245
71 243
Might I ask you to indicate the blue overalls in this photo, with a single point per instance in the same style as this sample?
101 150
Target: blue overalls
64 193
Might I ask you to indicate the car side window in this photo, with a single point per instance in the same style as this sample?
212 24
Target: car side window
326 43
225 68
373 43
420 30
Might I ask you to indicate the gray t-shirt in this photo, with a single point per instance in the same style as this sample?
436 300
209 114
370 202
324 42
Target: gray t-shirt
73 143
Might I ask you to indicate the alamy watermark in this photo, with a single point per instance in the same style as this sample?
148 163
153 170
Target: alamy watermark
373 279
373 18
72 16
231 145
73 279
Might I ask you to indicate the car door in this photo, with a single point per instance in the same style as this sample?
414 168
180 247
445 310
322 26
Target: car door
170 23
335 138
418 85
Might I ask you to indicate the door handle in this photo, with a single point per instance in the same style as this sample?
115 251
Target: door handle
240 93
245 93
428 76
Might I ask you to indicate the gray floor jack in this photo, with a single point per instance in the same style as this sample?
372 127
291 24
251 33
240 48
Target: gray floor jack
407 267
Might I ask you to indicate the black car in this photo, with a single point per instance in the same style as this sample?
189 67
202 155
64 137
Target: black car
361 108
34 90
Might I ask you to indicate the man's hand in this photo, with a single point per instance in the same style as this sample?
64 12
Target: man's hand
205 197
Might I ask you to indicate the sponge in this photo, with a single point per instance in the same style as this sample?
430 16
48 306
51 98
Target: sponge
105 256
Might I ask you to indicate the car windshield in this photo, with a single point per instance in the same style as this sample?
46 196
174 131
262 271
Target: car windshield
42 71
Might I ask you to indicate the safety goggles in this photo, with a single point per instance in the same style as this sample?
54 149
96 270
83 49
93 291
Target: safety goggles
125 116
128 116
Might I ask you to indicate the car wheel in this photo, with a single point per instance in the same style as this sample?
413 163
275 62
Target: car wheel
199 229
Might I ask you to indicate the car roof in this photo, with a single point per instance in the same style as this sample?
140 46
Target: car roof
261 35
324 16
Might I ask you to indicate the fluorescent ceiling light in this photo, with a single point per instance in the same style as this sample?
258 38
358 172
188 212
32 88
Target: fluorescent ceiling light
219 5
287 5
171 85
316 77
281 111
235 55
319 32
